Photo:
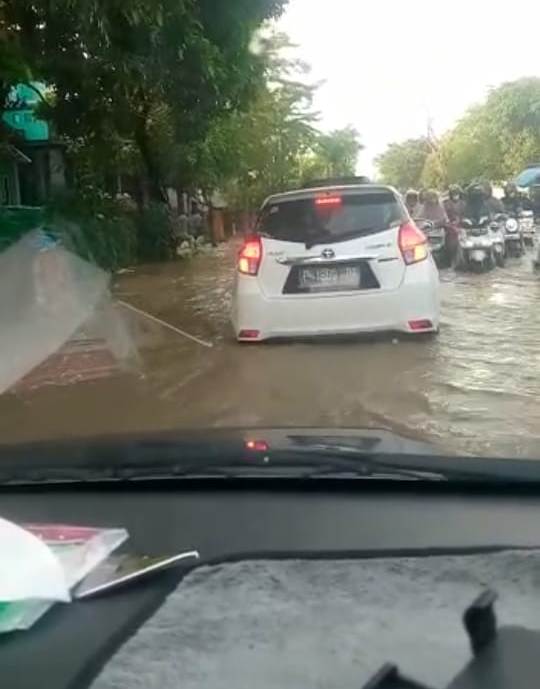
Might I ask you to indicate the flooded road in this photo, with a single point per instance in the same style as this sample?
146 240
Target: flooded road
475 388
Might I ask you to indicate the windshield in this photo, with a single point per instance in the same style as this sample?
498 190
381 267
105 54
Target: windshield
205 239
337 217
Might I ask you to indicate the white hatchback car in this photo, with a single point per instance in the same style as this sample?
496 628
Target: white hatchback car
335 260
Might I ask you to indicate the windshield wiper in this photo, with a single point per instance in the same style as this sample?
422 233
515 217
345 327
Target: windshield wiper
306 463
303 457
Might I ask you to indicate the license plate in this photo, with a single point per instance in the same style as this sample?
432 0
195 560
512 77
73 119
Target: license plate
319 278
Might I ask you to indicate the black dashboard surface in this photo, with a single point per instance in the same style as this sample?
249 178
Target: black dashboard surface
70 644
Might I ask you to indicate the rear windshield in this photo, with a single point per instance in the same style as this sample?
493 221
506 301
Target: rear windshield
331 217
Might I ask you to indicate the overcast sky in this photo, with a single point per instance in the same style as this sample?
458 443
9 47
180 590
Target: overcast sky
391 66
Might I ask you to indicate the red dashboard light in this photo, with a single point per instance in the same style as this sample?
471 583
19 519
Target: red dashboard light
257 445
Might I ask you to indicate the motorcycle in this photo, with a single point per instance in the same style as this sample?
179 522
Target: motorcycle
497 239
441 241
527 227
436 236
536 262
475 247
513 238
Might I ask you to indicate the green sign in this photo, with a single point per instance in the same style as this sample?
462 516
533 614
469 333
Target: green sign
19 114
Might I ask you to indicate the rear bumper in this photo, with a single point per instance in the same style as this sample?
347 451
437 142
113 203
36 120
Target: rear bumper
416 299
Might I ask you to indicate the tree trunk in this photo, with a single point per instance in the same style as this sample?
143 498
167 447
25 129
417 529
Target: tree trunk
154 188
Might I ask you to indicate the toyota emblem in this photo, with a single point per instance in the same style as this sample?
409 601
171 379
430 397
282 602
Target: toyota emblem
328 253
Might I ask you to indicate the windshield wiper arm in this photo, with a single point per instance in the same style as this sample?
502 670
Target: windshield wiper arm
318 461
311 458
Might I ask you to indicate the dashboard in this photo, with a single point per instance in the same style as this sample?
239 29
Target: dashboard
228 521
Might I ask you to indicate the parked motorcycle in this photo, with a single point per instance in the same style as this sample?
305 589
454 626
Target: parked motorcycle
513 238
497 239
527 227
475 247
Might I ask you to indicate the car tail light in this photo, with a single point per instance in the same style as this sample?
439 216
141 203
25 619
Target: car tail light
419 325
328 201
412 243
250 256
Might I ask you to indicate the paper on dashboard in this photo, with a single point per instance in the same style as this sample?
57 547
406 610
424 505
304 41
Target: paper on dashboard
28 568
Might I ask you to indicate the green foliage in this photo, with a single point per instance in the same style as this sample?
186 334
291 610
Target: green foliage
434 172
261 150
96 227
126 71
154 233
275 144
470 151
333 155
402 164
494 140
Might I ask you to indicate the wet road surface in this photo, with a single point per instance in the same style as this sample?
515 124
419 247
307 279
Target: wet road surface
475 388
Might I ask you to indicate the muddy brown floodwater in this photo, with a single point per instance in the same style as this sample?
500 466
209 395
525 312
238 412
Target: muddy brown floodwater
475 388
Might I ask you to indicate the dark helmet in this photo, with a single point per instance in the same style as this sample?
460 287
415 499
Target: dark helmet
476 191
510 189
455 191
411 197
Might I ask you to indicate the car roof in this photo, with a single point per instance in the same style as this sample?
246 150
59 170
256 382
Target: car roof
345 189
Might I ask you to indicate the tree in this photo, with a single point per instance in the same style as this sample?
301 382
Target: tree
402 164
261 150
275 144
124 72
333 155
496 139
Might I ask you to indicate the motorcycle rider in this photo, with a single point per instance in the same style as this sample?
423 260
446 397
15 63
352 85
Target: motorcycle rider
495 206
432 209
513 201
412 203
455 204
476 203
